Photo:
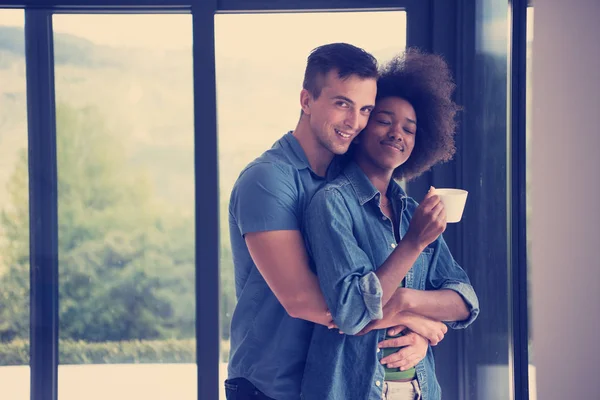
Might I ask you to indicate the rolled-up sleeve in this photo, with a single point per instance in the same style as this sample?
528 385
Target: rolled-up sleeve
352 291
372 292
466 291
445 273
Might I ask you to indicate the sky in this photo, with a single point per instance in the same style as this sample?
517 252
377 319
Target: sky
169 31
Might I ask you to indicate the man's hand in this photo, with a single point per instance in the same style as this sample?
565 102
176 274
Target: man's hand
330 324
431 329
414 351
395 321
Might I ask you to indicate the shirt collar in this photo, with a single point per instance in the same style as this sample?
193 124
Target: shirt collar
298 157
296 153
365 191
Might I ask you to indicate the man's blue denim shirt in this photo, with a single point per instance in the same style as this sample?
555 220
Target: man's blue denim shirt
349 238
268 347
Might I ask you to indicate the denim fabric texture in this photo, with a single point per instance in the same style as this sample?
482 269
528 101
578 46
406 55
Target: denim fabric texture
348 238
268 347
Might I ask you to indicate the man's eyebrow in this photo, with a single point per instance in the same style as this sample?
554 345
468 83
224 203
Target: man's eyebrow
340 97
349 101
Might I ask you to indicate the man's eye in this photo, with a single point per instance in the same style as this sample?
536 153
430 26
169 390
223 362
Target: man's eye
383 122
408 131
342 104
367 111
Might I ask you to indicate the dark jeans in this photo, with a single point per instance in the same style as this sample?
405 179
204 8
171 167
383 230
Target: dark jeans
242 389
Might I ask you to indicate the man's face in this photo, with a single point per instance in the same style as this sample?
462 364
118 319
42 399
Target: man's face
341 111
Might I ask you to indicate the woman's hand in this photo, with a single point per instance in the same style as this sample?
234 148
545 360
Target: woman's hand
428 222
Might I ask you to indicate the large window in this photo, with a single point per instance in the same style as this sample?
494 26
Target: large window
136 181
125 163
260 61
14 210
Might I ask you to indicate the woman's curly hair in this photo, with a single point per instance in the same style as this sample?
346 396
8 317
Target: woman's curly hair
425 81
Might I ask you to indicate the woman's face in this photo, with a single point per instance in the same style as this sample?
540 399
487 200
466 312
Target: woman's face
389 137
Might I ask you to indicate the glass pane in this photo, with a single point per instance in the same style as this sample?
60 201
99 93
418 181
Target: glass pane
14 209
259 78
486 342
124 100
532 380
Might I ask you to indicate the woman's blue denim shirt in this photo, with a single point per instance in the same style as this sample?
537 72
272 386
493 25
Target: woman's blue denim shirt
348 238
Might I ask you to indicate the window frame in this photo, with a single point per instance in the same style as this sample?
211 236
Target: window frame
436 25
517 200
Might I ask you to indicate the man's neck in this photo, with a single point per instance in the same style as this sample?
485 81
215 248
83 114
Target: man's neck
380 178
318 156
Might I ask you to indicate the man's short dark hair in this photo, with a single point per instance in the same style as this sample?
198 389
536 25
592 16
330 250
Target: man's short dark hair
345 58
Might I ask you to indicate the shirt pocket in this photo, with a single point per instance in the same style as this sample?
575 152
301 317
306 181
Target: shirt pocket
422 266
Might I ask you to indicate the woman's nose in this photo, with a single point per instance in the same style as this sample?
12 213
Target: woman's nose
395 134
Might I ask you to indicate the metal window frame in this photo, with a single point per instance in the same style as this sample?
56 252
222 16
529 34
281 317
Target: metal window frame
43 222
516 197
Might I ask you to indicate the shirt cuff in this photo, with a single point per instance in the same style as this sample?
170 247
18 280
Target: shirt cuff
468 294
372 293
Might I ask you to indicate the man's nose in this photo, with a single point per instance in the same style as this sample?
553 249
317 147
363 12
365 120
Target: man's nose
352 120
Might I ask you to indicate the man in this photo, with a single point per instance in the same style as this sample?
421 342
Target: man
278 296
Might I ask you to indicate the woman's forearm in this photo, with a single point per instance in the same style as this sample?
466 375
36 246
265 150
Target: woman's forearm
395 268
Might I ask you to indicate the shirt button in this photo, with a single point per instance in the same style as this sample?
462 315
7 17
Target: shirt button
393 245
383 217
378 350
378 383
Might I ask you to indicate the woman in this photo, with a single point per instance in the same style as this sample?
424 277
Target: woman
367 239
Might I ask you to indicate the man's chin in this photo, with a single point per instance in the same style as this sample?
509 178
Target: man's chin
336 148
339 152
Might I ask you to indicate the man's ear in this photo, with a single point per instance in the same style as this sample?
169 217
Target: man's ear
305 101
